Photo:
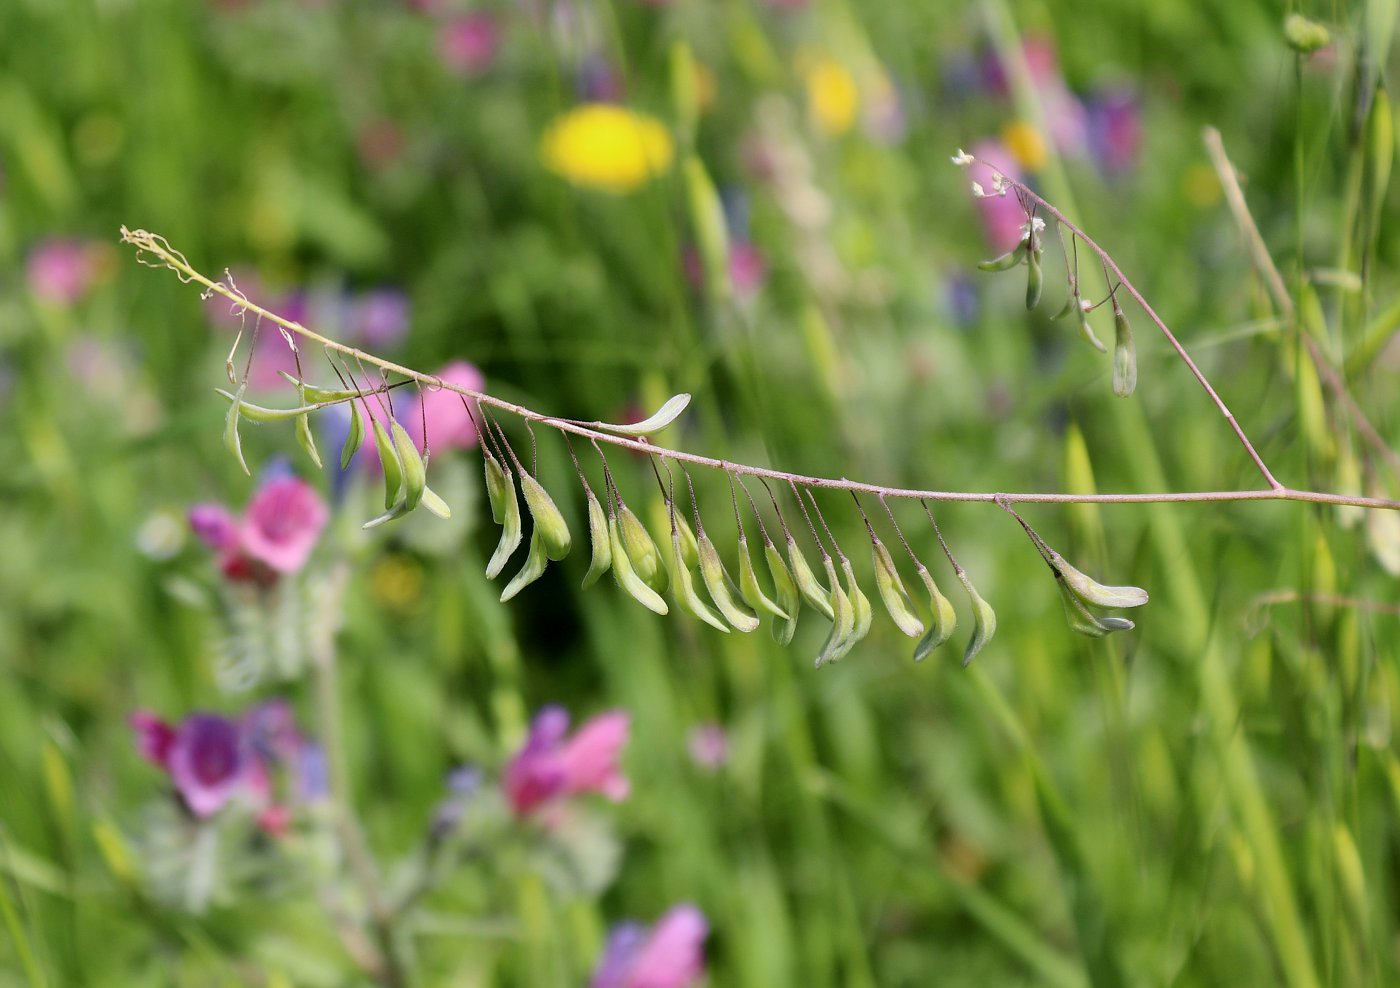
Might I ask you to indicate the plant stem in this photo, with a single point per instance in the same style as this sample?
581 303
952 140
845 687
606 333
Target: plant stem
322 654
152 244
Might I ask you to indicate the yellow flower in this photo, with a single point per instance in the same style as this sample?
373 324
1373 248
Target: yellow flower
607 147
1026 145
832 97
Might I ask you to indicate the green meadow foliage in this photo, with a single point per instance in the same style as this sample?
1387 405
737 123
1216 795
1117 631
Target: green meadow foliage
309 674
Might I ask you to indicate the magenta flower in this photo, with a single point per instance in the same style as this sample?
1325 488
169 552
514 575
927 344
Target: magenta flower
61 271
205 756
467 45
449 425
282 524
1115 130
550 767
669 955
276 534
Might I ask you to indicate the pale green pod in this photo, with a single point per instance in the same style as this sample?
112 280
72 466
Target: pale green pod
862 615
641 550
1093 592
390 462
311 393
748 584
984 621
816 596
1005 262
663 417
718 583
231 437
433 501
354 439
509 518
262 414
1086 329
683 585
1035 281
307 441
843 619
535 562
690 546
944 621
629 580
786 591
549 521
499 486
415 471
893 594
601 560
1083 620
397 510
1071 303
1124 354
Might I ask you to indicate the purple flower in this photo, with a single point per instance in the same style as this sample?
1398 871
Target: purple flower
1115 130
669 955
205 756
467 45
379 318
550 767
61 271
708 745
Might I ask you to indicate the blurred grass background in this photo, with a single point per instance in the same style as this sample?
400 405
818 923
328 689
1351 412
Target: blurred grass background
1210 799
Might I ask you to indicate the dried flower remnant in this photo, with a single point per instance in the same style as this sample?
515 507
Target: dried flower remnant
550 766
669 954
608 148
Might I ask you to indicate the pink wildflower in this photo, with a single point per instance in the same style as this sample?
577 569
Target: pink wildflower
550 767
61 271
669 955
467 45
708 745
276 534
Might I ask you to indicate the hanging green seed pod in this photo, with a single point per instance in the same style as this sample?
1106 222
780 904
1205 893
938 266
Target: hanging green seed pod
1124 353
322 396
1086 330
641 550
748 584
435 504
549 521
499 486
1005 262
892 592
397 510
785 590
231 438
1034 278
683 585
261 414
535 563
390 462
627 579
862 615
505 508
1083 620
1071 303
984 621
690 547
601 560
843 619
718 583
816 596
415 472
1090 590
354 439
944 621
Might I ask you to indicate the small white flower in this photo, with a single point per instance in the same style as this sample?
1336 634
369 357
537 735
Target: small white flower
1035 226
977 191
1085 305
962 159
